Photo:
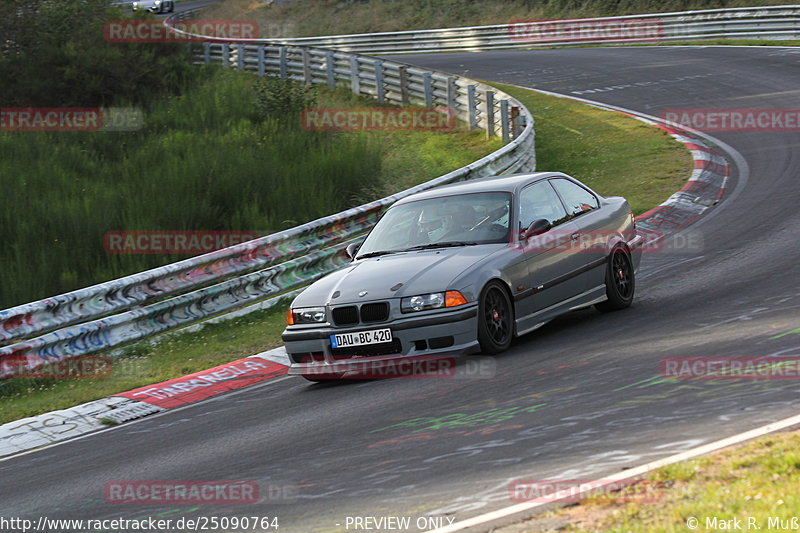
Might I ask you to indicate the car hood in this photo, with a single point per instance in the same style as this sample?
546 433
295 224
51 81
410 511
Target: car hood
395 275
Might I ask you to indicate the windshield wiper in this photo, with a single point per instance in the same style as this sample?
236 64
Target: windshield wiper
440 245
377 254
415 248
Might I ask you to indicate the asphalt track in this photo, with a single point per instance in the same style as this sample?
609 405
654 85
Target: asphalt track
580 398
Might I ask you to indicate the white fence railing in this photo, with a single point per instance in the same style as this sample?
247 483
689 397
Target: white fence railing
771 22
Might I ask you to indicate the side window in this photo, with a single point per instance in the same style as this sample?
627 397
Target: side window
540 201
577 199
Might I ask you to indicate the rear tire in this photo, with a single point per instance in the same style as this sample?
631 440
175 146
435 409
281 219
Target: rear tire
495 319
620 281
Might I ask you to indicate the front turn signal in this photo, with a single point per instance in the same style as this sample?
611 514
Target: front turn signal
454 299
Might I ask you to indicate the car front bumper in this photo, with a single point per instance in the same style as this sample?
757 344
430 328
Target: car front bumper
449 332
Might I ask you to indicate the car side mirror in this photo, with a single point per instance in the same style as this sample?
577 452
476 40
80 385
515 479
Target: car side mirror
537 227
351 249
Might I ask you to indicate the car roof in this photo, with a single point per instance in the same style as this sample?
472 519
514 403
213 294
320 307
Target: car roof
507 183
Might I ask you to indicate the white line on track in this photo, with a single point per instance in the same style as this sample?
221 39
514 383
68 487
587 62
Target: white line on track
625 474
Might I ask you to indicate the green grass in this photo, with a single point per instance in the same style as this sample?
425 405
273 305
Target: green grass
332 17
613 153
206 160
606 149
203 161
758 479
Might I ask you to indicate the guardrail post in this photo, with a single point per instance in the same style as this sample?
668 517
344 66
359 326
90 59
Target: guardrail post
489 114
226 54
472 104
380 90
307 67
206 53
240 57
355 81
427 81
451 93
282 62
515 129
329 66
402 70
504 123
261 60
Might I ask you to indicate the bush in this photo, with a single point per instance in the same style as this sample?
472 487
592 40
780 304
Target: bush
54 54
283 99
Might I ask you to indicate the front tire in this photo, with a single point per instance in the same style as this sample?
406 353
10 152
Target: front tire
620 281
495 319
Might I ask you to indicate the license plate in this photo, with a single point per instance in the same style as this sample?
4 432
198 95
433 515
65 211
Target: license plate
359 338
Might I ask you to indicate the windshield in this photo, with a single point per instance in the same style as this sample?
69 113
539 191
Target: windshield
459 220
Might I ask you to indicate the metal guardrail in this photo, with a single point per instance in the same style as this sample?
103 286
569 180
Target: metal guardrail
141 305
770 22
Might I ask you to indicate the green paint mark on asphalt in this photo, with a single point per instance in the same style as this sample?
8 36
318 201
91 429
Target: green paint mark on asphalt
655 380
778 336
487 417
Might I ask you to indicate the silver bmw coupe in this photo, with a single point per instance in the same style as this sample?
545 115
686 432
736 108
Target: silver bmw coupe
465 268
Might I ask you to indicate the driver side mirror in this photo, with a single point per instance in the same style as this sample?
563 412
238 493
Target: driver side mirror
351 249
537 227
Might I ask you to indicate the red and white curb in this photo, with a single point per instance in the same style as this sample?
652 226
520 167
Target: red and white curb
704 189
56 426
42 430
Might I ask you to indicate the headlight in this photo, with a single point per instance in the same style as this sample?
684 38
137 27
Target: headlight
434 300
306 315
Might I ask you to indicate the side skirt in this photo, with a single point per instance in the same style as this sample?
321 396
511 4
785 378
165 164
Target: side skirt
538 319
